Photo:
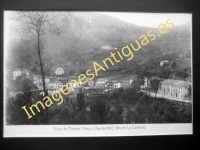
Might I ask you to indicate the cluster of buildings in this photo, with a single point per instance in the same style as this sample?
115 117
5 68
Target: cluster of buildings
19 72
108 84
171 88
56 70
92 87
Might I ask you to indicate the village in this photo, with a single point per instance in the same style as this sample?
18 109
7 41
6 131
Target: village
171 89
91 68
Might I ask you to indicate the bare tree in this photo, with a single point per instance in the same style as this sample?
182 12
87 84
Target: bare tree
38 24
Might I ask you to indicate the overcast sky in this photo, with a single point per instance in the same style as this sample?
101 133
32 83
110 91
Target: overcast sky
141 19
151 19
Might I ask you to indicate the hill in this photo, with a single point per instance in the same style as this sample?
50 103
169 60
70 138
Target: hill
88 37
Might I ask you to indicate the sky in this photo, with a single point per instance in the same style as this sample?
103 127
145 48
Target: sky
151 19
141 19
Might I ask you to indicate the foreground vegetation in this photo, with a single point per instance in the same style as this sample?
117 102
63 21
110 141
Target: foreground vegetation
119 107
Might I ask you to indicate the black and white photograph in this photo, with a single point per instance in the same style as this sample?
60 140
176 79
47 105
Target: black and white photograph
92 73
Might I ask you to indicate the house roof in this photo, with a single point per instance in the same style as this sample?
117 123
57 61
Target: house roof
125 79
176 82
113 81
59 68
62 78
63 81
55 82
101 79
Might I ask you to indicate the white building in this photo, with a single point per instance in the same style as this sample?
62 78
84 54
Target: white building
59 71
174 88
37 80
54 85
113 84
19 72
101 81
126 82
163 62
74 82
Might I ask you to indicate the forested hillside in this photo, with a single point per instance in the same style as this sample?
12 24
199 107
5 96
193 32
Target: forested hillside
83 36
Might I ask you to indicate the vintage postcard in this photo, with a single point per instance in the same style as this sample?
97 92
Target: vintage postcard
80 74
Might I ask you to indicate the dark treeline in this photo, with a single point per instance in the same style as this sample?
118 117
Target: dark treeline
119 107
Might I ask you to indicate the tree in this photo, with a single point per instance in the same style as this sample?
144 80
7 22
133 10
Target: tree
98 109
189 91
141 79
140 70
165 72
38 24
81 101
155 85
24 84
135 85
173 65
14 112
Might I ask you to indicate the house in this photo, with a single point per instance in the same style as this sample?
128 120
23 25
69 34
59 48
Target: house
59 71
53 85
19 72
146 83
113 84
163 62
39 86
126 82
101 81
74 84
107 47
174 88
47 79
90 83
37 80
63 80
16 73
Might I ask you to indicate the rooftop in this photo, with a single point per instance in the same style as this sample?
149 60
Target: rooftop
113 81
101 79
96 88
56 82
176 82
